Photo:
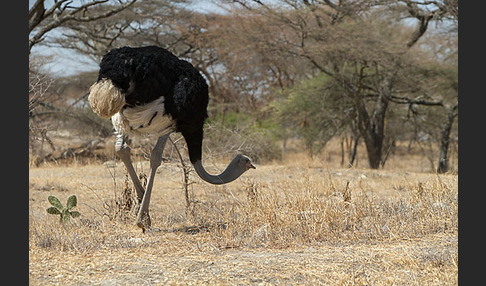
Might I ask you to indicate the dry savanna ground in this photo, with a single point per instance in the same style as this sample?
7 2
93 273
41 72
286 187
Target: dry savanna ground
295 222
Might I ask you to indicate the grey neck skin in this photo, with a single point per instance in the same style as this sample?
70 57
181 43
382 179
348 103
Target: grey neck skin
231 173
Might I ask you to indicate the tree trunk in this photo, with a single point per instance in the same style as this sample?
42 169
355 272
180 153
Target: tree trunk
372 128
443 165
354 151
342 151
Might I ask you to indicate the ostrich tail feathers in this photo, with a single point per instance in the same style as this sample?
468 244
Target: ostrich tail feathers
105 99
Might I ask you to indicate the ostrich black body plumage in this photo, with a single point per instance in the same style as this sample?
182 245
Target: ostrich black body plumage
147 73
148 90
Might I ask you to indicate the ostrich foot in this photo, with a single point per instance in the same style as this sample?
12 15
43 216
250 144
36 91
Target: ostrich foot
143 217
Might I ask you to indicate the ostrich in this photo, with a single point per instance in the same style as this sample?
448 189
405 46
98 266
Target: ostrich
149 91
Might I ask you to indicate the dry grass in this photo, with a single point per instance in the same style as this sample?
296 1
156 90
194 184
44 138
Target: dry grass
296 222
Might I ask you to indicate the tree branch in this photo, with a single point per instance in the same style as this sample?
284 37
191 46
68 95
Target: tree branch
406 100
37 14
424 16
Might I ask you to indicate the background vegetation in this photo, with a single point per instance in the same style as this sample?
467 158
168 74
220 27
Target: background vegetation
372 75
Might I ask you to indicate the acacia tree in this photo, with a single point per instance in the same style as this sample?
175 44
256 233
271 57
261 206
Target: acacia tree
435 119
443 47
334 38
364 48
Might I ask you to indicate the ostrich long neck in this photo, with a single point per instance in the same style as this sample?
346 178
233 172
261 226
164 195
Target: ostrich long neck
231 173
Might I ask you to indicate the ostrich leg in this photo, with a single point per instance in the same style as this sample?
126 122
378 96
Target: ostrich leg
123 152
143 217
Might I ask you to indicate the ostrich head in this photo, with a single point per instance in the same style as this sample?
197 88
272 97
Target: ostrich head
243 163
235 169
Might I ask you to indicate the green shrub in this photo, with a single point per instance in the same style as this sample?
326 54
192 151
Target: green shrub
65 213
241 133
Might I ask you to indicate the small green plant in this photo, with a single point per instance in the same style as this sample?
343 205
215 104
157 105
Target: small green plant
64 212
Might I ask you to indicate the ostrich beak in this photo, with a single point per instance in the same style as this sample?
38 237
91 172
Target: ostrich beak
249 165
